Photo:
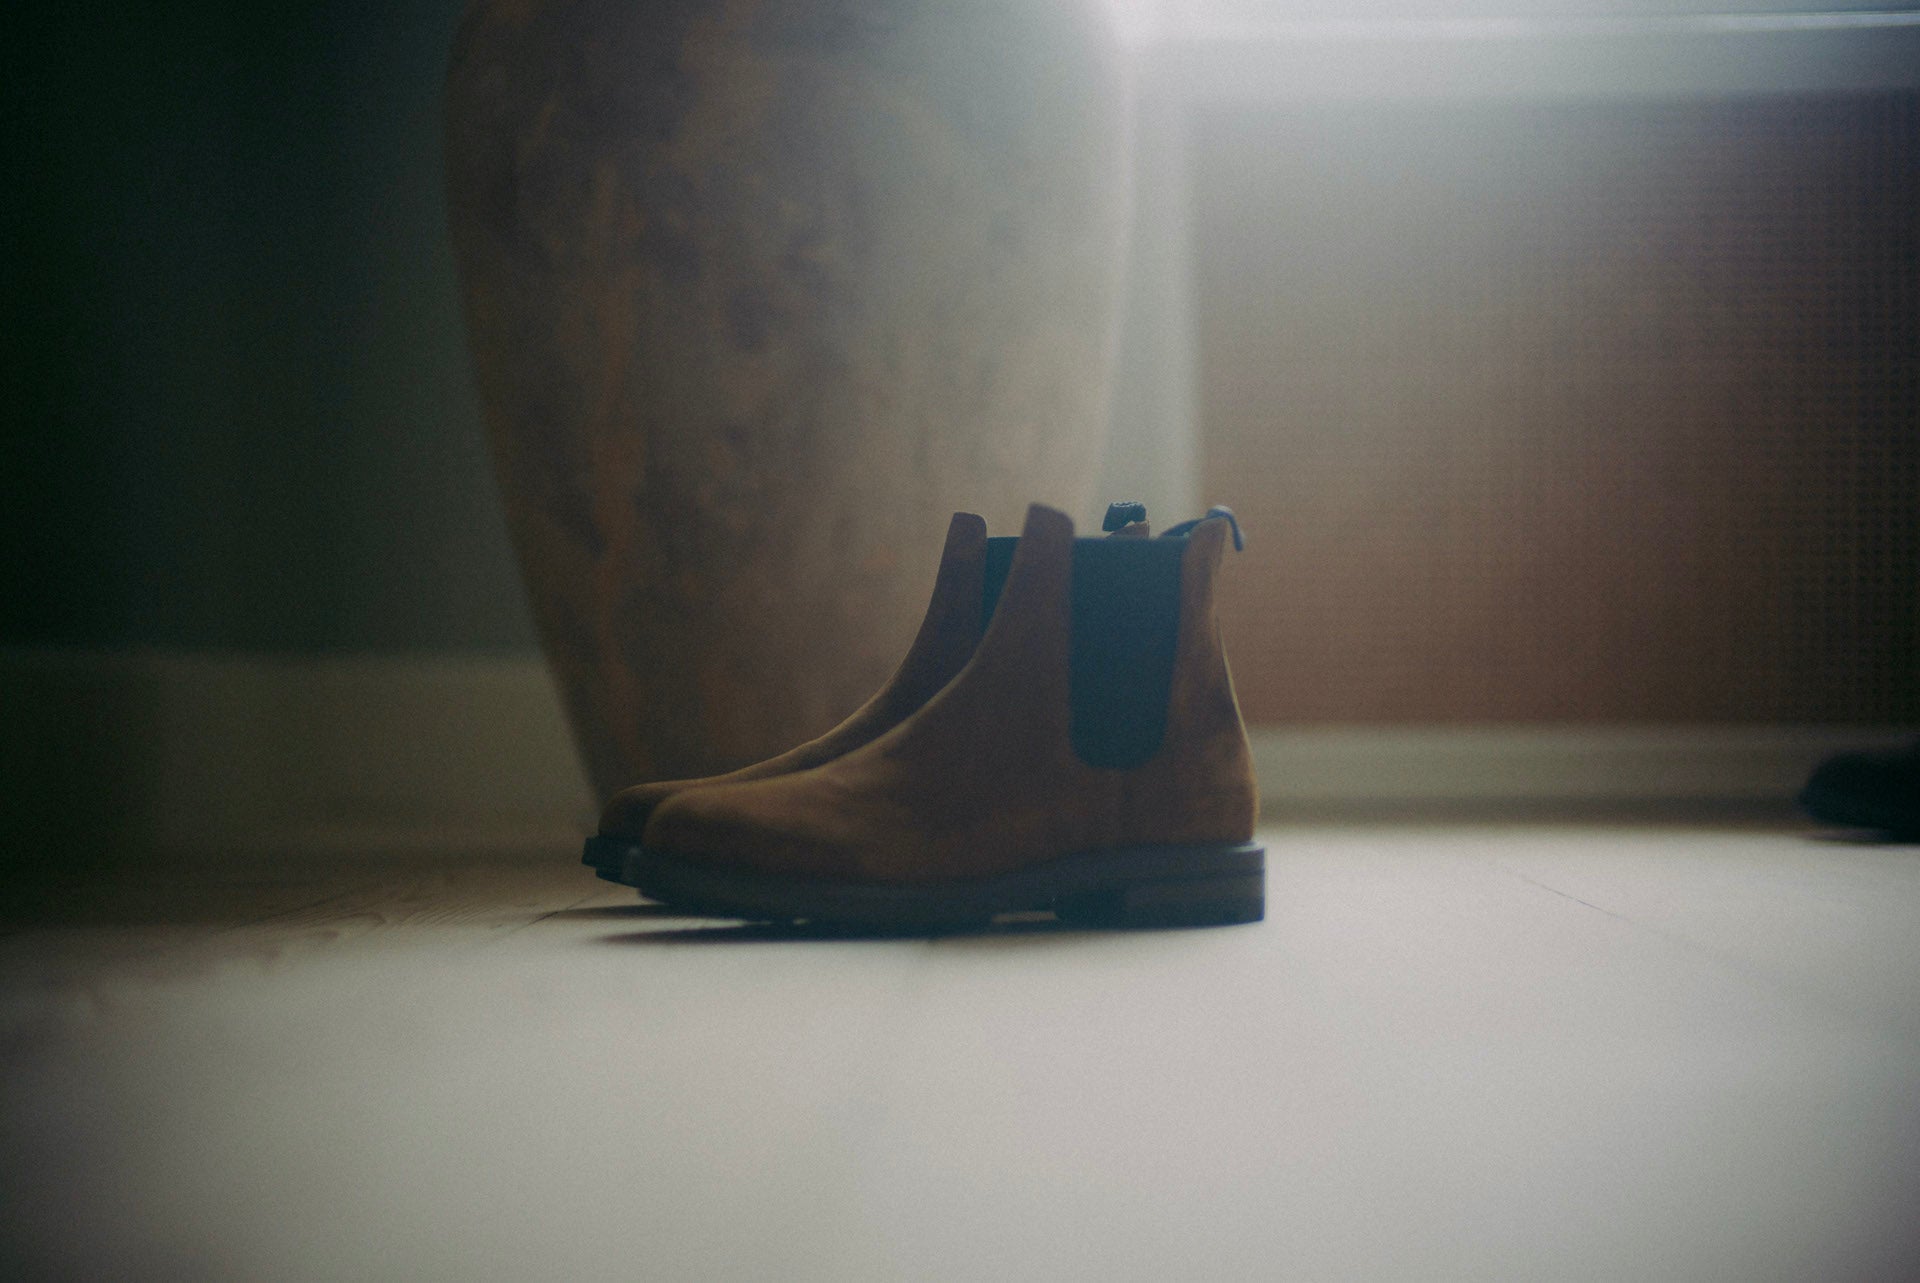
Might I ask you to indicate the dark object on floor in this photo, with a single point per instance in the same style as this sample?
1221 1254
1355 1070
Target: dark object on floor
1879 791
1038 780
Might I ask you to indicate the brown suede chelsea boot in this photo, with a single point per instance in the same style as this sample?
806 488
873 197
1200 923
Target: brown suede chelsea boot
1088 760
948 634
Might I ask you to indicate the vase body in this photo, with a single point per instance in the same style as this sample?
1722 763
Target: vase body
758 293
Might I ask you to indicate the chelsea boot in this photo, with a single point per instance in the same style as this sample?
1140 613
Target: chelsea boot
956 615
1088 760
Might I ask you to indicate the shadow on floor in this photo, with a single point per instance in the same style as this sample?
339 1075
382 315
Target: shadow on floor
616 912
1864 837
757 932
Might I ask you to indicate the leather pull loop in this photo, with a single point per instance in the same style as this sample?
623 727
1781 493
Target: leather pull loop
1123 514
1218 510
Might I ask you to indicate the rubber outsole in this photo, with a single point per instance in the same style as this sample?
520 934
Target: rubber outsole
606 857
1121 887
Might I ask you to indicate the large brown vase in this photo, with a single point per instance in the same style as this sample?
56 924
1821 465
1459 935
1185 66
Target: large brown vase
759 291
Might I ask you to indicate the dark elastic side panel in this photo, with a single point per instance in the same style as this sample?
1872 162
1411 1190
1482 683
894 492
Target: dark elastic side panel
1126 626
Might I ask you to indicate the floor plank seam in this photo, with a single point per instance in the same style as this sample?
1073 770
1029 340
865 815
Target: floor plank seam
1781 987
1566 895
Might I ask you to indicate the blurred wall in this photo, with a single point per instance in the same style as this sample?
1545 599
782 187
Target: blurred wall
258 591
1583 411
239 415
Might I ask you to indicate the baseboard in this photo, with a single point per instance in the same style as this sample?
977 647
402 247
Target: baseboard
210 752
203 752
1400 766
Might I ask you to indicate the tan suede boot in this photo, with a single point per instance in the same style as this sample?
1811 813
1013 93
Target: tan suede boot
956 615
1089 760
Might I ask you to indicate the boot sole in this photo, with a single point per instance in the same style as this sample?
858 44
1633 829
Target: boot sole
1217 884
607 857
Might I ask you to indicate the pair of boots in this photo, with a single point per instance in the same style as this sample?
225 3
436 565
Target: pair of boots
1061 737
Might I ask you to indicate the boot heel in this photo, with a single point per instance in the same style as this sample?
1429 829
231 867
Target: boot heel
1175 902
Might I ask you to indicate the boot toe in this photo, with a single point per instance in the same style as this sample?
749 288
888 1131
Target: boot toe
750 827
712 826
627 812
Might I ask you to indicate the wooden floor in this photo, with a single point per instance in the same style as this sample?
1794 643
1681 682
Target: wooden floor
1452 1052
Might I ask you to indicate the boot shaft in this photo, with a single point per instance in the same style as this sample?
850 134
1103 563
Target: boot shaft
973 568
1123 619
1130 605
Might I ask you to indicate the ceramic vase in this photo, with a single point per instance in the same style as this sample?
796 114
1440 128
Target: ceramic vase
758 293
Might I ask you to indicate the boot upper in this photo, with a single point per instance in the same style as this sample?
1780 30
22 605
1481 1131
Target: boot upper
985 777
948 634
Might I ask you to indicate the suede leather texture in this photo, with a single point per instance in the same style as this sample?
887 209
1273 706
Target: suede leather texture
984 779
946 640
947 636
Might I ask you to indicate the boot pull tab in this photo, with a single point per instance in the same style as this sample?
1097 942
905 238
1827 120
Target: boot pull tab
1218 510
1123 514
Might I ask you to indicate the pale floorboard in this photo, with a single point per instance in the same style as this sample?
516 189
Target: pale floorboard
1452 1052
